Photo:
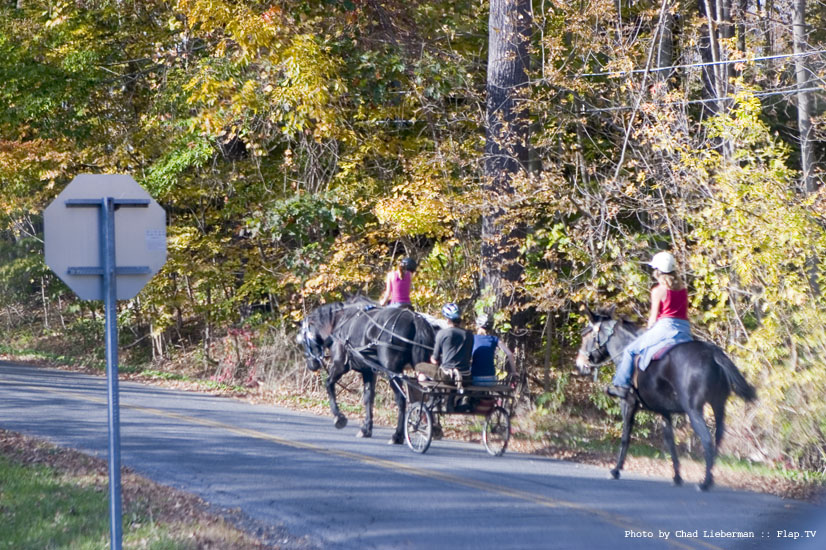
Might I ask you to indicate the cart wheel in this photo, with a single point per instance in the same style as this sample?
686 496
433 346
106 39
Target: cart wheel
497 431
418 427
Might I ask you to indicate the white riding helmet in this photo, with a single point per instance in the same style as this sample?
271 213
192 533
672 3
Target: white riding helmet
663 262
484 321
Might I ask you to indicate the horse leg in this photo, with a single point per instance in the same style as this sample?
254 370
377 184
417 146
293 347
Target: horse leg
401 402
701 429
369 378
629 411
719 409
338 367
668 435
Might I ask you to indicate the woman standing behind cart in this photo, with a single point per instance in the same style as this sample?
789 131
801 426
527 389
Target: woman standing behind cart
483 369
398 283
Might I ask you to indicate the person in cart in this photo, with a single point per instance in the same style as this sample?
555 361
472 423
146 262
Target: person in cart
483 367
452 351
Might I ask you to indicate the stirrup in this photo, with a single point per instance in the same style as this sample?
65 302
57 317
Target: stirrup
617 391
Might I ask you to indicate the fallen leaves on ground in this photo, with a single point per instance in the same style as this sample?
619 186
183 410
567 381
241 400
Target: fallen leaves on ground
184 513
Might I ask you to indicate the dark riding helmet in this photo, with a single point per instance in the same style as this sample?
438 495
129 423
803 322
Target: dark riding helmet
451 311
409 264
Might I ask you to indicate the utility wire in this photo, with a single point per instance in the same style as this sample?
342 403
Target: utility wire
788 91
705 64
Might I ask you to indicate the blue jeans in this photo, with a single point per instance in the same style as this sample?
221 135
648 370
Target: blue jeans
673 330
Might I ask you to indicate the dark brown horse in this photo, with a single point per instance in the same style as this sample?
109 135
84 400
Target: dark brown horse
365 339
690 375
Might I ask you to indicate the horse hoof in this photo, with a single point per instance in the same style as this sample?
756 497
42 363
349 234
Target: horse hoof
341 421
705 486
615 474
678 481
395 440
362 433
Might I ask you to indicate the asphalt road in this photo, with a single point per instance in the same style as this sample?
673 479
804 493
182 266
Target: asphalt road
307 485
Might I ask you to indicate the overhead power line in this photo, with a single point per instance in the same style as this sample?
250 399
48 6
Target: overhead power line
705 64
789 91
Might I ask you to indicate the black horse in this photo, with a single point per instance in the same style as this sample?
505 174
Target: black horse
690 375
366 339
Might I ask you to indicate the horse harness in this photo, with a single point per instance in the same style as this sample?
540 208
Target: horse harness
375 342
309 352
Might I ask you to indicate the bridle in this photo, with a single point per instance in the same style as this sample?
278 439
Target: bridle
603 331
312 349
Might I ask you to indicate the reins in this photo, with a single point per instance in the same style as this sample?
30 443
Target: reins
389 327
397 336
613 326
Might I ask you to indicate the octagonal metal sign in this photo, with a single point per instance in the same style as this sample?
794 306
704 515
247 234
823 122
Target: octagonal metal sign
73 239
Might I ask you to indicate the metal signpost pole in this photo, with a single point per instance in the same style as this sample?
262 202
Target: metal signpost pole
72 238
107 252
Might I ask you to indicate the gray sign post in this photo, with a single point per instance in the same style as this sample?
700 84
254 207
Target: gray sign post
70 236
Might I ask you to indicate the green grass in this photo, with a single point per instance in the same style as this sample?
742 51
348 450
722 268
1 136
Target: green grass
41 510
53 357
161 375
767 470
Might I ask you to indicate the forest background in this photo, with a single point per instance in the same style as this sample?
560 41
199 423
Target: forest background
531 156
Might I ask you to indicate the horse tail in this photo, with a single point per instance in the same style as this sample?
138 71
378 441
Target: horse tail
735 378
424 338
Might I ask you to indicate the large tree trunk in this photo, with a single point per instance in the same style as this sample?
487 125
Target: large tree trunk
718 26
804 97
768 39
506 147
665 46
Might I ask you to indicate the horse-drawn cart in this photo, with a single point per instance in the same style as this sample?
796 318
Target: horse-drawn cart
428 400
371 340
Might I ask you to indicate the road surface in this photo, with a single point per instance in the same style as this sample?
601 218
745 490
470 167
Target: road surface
297 479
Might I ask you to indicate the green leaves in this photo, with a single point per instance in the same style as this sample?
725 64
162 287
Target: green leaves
188 155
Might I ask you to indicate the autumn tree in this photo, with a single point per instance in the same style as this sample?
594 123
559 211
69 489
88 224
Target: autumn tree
506 145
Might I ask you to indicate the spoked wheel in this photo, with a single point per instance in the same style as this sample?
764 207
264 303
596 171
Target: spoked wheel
418 427
497 431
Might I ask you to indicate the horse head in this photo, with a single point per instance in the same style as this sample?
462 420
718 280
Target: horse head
316 329
313 345
594 349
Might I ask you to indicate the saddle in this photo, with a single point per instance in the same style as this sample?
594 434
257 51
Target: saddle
659 354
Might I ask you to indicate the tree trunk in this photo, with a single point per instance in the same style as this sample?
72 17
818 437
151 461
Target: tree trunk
742 10
665 46
714 74
804 98
506 147
768 39
45 302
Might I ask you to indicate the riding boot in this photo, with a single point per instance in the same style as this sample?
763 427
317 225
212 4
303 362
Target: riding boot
617 391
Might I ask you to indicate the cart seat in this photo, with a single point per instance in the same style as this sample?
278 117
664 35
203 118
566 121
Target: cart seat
490 389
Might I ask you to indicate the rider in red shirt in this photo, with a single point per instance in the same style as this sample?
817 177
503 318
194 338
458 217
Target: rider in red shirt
667 321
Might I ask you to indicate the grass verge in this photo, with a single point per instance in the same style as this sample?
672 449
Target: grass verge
58 498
